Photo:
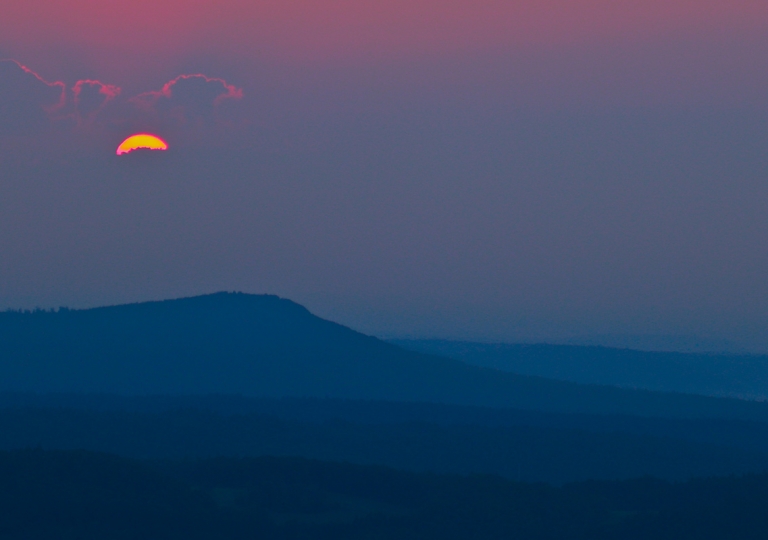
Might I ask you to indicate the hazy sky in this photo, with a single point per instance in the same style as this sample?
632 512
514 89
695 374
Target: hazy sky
470 169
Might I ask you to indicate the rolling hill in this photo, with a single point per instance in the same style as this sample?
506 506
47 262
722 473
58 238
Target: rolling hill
725 375
529 452
233 343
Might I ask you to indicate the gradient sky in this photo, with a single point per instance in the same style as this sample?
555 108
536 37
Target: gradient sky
478 169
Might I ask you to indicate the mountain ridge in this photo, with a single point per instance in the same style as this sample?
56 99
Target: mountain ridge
264 345
741 376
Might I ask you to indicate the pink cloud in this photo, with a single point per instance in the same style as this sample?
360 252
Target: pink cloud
195 94
56 84
27 101
90 96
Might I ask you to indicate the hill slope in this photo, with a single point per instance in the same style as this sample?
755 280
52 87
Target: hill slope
520 452
727 375
267 346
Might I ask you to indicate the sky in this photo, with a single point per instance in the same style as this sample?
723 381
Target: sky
493 170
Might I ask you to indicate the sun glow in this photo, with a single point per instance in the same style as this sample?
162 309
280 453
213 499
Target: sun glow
141 140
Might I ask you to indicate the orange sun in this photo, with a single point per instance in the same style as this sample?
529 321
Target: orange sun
141 140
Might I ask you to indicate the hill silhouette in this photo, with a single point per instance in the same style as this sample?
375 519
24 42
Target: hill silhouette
88 496
533 453
727 375
260 345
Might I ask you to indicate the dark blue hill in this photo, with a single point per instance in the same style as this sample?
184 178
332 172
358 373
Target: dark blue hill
90 496
271 347
726 375
530 452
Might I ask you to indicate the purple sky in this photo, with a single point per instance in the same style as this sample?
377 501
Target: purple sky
475 170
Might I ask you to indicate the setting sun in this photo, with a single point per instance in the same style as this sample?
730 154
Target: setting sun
141 140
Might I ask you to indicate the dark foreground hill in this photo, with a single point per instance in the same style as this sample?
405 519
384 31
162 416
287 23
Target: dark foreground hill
518 451
728 375
55 495
267 346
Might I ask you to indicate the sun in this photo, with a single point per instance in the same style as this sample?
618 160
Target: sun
141 140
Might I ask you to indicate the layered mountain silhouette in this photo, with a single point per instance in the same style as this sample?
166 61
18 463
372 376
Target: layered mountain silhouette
534 452
260 345
728 375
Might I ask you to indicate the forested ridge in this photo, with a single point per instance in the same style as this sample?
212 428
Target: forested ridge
266 346
238 416
526 448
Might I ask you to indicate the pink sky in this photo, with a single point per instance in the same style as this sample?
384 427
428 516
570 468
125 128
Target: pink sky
311 29
584 165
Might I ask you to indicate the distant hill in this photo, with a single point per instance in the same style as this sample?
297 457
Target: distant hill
232 343
739 376
659 343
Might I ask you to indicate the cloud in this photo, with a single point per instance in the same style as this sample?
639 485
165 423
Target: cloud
92 96
29 104
189 97
27 101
